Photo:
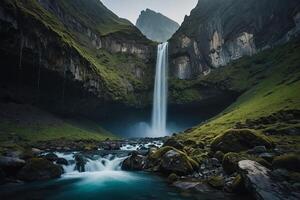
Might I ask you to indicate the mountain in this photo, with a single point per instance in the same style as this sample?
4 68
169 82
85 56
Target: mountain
156 26
244 56
220 31
72 58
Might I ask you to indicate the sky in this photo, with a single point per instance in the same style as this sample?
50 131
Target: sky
131 9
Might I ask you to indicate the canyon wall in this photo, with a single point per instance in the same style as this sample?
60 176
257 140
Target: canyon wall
58 58
220 31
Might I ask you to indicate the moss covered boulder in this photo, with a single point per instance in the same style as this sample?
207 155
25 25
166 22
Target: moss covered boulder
173 177
289 161
39 169
171 160
230 162
134 162
216 182
237 140
172 142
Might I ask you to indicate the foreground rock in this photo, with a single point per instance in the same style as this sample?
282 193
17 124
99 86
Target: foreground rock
259 182
134 162
237 140
171 160
39 169
11 165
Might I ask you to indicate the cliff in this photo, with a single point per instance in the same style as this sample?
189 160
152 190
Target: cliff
156 26
73 56
220 31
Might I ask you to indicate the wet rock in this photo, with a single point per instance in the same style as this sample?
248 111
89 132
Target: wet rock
51 157
134 162
267 156
259 149
237 140
11 165
170 160
194 186
173 178
259 182
216 182
235 185
230 162
179 163
219 155
80 162
62 161
174 143
39 169
111 146
287 161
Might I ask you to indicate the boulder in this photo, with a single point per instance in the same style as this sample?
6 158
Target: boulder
230 162
177 162
134 162
171 142
287 161
237 140
80 162
171 160
259 149
259 182
216 182
51 157
11 165
173 177
236 185
219 155
39 169
62 161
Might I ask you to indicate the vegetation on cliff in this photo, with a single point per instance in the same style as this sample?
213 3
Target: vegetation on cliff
269 83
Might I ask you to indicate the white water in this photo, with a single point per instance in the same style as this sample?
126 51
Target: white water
100 164
159 113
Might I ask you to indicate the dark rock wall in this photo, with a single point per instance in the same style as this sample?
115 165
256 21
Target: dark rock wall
219 31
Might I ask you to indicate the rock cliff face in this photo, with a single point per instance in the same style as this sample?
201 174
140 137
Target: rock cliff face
156 26
74 56
219 31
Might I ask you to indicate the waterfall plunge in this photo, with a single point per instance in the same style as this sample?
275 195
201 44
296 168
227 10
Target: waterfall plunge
159 113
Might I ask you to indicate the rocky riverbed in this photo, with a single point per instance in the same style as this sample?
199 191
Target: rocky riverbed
257 171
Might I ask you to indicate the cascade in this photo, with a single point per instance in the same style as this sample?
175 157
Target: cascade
159 112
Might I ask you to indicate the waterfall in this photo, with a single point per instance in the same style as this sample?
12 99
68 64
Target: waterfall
159 112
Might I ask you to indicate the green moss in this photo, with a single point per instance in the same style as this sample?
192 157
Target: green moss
288 161
66 130
216 182
237 140
230 162
114 70
269 83
173 177
158 154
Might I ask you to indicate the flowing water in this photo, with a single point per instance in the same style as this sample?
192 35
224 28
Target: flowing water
159 113
103 180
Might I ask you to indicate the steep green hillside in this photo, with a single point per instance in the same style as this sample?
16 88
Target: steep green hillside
270 85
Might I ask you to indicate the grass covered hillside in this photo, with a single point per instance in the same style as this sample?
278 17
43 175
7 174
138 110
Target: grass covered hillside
270 100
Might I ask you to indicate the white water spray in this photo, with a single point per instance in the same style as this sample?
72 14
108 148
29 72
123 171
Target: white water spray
159 113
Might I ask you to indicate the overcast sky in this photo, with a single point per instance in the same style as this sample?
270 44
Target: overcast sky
130 9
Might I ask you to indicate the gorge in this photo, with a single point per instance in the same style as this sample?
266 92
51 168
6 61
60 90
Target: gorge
92 108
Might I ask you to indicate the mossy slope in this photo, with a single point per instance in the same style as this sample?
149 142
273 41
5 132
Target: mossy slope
269 83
